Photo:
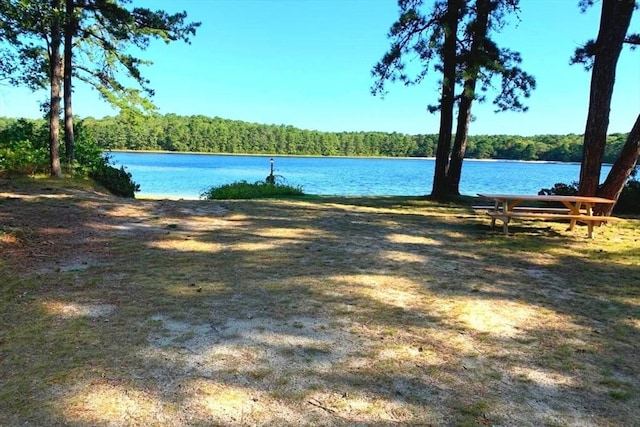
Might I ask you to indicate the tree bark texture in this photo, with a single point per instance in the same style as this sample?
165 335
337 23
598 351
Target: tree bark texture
440 185
460 141
614 23
69 33
56 83
479 34
621 169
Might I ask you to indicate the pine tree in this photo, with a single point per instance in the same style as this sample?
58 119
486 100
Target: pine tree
454 40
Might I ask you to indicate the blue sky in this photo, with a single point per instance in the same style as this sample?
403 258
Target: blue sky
307 63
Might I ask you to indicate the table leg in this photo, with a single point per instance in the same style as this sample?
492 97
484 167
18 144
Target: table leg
575 211
496 207
505 219
589 209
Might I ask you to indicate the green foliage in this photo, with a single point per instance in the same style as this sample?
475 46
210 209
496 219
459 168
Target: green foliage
36 131
420 36
216 135
111 29
257 190
560 189
628 201
23 158
90 161
88 155
23 147
24 151
117 181
102 35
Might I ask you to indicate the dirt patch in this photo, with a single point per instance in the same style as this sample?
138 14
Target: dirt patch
70 310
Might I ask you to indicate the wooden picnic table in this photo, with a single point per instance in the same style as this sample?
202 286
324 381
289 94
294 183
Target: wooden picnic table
574 208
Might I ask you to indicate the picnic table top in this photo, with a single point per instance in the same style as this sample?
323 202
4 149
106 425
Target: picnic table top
547 198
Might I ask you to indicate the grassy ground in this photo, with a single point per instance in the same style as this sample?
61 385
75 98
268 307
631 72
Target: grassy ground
317 311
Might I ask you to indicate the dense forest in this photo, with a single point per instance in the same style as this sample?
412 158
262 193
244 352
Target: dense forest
216 135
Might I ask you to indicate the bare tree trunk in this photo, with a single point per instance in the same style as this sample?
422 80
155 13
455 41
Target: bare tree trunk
460 141
614 23
56 83
621 169
479 34
69 33
440 185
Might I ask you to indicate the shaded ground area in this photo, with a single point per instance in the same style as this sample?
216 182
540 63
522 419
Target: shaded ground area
324 311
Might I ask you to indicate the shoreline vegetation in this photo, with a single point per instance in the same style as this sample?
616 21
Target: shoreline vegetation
201 134
315 311
24 148
275 155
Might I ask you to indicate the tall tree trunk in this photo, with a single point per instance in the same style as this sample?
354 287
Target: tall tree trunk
621 169
479 30
614 23
69 33
440 186
56 83
460 141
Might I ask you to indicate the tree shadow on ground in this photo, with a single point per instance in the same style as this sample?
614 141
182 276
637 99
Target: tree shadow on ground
331 311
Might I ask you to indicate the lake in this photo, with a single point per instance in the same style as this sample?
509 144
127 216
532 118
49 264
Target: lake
187 175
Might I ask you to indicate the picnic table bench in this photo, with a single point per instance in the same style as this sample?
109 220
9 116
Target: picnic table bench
573 208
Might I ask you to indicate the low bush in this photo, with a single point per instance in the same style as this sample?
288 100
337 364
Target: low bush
24 151
87 153
628 202
245 190
91 161
117 181
23 158
560 189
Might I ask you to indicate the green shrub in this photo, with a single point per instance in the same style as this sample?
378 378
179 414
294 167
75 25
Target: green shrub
87 154
628 202
560 189
23 158
244 190
24 150
117 181
91 161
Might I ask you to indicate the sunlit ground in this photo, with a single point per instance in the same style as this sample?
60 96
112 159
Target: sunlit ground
353 311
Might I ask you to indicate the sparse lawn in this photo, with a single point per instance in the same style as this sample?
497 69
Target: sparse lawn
317 311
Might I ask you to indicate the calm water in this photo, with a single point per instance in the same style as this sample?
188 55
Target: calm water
187 175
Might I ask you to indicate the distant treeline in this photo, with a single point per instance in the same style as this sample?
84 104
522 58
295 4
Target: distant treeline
216 135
